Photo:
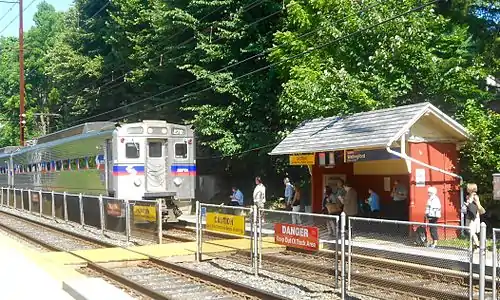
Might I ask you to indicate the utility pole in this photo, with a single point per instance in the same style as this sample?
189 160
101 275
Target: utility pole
22 116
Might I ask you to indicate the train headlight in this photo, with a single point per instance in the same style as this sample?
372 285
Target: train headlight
137 182
177 181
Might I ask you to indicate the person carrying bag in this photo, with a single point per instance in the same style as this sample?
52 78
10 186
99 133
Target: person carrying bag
472 209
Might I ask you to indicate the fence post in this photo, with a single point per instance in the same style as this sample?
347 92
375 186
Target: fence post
65 204
260 240
29 200
255 237
159 218
40 203
337 252
349 253
82 215
22 200
15 199
101 214
8 197
482 261
471 266
53 204
198 231
1 203
494 267
342 255
127 220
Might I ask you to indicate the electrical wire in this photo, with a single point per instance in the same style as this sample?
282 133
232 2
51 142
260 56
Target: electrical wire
219 70
248 7
17 16
7 12
311 49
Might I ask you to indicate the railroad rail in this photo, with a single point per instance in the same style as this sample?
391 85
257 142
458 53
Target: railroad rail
152 278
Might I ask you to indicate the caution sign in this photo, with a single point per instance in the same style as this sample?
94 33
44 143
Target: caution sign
144 213
296 236
226 223
302 160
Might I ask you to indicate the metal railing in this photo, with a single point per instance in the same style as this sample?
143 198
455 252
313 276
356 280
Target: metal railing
90 211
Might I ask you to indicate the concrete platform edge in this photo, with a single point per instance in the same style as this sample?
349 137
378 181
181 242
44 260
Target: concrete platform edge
93 289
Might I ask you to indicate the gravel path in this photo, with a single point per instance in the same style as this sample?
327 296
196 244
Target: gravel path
113 238
29 244
292 288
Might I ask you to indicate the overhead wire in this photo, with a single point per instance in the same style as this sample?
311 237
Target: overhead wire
7 12
311 49
221 69
246 8
17 16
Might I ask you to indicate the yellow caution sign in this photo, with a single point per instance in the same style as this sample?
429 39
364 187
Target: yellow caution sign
144 213
302 160
226 223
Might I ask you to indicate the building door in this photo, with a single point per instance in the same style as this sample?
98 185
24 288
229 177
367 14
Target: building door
156 166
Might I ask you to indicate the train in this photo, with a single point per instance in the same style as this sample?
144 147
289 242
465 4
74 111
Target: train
146 160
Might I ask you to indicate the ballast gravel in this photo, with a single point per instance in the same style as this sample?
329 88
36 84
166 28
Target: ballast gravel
280 284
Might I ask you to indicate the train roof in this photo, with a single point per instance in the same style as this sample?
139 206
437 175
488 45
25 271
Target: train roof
75 130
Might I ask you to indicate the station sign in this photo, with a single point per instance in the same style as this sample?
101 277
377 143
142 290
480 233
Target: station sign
144 213
496 186
369 155
225 223
297 236
302 159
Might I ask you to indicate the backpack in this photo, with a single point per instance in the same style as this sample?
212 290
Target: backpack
421 236
471 211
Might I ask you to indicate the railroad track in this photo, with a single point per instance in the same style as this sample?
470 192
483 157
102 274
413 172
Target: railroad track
146 279
366 279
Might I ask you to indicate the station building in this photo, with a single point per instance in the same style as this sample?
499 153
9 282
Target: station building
416 144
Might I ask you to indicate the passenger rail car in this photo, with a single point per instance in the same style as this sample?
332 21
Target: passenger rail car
147 160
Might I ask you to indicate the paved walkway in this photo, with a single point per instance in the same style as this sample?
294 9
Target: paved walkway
22 278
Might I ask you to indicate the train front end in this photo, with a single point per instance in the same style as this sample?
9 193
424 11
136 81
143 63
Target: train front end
151 161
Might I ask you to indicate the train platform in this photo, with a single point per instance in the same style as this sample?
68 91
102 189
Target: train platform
169 250
28 274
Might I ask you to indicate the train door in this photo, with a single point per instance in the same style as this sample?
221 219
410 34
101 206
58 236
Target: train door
156 166
109 167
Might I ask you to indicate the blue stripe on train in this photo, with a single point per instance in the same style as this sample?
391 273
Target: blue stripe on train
122 170
183 170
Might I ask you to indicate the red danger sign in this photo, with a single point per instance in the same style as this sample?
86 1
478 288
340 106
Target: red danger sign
297 236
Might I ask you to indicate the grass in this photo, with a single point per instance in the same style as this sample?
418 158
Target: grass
462 243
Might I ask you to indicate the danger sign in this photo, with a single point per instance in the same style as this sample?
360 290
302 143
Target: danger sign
296 236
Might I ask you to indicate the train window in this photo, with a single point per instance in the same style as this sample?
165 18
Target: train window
58 165
181 150
49 166
132 150
155 149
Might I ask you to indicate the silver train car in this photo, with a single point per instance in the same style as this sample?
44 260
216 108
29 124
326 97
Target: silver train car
147 160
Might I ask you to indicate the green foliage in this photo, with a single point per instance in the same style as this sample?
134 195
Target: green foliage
206 62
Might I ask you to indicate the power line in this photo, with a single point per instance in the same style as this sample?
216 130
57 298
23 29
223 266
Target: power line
246 8
15 18
221 69
311 49
239 153
8 11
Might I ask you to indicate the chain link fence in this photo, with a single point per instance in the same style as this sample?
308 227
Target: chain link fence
374 245
226 232
302 245
495 284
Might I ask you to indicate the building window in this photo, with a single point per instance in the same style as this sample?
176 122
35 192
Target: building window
181 151
132 150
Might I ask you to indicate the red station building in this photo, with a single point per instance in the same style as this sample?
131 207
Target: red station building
415 144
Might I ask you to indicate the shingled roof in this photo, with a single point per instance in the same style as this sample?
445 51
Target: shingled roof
373 129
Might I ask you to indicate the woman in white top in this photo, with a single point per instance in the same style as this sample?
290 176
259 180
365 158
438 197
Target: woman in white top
433 213
472 210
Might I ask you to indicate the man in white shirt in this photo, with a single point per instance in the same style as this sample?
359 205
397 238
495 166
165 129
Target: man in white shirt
259 193
288 192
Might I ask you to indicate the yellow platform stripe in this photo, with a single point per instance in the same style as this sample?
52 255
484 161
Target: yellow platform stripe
109 254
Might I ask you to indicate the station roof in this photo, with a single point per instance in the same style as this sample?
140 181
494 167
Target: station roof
372 129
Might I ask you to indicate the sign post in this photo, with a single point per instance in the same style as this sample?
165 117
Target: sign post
496 186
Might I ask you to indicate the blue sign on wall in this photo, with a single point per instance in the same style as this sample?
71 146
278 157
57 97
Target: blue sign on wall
368 155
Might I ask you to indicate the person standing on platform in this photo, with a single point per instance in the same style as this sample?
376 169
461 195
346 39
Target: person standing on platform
374 202
236 198
472 210
330 207
259 193
296 206
399 196
289 189
350 201
433 213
